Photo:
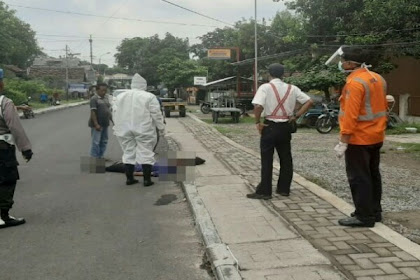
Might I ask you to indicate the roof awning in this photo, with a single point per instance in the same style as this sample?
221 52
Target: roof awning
224 80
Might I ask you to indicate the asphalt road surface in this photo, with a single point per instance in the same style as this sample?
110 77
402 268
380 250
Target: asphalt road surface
93 226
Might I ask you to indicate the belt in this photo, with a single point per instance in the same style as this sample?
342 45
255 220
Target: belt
273 122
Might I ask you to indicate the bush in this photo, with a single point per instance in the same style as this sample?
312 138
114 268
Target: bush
17 96
30 88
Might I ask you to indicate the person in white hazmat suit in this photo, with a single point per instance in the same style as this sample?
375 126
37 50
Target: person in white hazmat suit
138 120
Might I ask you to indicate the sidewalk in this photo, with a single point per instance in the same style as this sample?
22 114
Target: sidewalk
294 237
56 108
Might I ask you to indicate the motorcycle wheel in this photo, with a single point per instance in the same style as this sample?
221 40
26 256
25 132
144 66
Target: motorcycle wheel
311 122
205 109
324 125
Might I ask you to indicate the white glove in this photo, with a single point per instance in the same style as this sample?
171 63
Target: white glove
340 149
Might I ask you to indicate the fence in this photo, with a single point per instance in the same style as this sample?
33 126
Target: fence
414 106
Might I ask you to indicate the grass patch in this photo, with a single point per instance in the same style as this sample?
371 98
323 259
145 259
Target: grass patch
318 181
400 129
410 147
210 121
247 120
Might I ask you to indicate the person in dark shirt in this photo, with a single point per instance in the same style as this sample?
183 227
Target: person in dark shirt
100 117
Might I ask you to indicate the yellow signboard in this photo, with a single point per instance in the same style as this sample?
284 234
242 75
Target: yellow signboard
219 53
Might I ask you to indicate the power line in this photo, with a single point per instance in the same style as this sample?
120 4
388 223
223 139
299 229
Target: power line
197 13
364 34
112 17
375 45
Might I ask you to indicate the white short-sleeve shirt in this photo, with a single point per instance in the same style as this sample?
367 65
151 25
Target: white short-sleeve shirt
266 97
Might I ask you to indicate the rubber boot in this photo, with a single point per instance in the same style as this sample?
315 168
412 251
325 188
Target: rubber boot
129 173
147 175
9 221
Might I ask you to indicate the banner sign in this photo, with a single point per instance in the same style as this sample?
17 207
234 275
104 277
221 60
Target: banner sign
219 53
198 81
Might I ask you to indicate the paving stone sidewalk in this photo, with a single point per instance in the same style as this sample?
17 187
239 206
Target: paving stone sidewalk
359 253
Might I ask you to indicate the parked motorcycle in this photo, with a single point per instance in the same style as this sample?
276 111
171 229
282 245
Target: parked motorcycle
27 109
309 118
328 120
205 107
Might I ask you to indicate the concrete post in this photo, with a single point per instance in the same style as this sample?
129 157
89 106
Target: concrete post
404 106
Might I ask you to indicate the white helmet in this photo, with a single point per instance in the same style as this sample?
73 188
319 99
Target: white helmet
390 99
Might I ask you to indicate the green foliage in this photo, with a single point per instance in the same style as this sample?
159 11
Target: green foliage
17 96
29 88
145 55
317 77
20 89
179 73
18 44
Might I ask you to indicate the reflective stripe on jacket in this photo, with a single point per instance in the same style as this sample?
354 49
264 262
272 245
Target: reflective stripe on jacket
363 108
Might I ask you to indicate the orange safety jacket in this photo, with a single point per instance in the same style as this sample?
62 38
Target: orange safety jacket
363 108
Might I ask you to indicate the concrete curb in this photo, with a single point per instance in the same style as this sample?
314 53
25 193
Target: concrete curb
55 108
382 230
223 264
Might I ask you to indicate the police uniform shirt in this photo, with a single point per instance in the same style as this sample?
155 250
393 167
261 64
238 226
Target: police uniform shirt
266 97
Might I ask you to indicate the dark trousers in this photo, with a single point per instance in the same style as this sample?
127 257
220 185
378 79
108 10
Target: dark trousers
362 167
7 191
8 175
276 136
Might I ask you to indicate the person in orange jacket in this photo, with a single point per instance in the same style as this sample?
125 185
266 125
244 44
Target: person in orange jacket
362 118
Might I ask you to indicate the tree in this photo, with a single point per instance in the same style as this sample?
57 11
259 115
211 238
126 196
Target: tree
145 55
179 73
360 21
18 45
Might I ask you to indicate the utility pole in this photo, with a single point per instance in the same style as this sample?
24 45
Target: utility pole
67 73
256 50
91 52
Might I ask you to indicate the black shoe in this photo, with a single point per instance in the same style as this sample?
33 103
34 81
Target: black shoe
378 217
258 196
147 175
282 193
355 222
11 222
131 182
129 173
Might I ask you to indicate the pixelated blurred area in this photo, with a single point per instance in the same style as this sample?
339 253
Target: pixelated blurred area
177 166
92 165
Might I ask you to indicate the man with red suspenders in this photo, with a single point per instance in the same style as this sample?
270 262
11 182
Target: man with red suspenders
276 100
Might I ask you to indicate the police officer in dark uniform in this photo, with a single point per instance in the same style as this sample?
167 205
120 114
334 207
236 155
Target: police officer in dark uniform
12 135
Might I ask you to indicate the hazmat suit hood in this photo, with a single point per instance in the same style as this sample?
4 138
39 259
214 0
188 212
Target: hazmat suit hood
138 83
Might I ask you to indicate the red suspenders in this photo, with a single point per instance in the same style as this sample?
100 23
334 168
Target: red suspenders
280 102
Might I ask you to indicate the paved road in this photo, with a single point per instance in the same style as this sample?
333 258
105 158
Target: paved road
92 226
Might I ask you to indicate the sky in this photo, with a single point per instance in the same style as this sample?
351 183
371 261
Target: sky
107 33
